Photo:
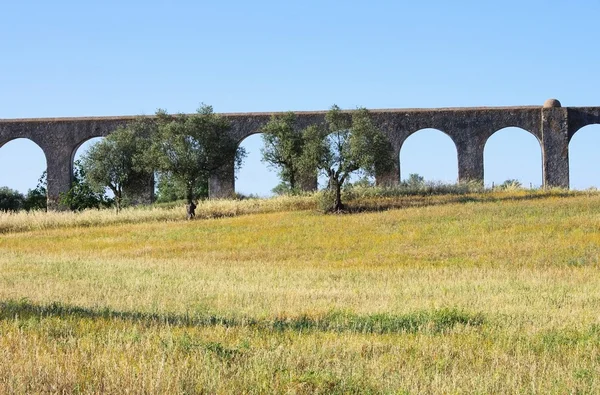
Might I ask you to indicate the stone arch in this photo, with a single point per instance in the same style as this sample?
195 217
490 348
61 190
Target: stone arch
573 132
83 146
584 167
142 189
22 154
255 177
80 149
509 154
429 143
579 118
512 126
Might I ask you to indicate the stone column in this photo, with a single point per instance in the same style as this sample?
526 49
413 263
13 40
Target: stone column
470 160
555 142
59 176
308 183
140 190
221 184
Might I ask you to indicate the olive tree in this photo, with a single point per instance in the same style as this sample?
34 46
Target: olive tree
189 148
343 146
83 194
117 161
169 189
283 146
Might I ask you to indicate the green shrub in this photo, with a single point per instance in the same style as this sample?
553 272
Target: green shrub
11 200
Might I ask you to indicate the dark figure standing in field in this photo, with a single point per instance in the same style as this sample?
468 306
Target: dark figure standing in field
191 210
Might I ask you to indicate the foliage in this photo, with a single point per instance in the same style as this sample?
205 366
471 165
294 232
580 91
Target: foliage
37 198
510 185
191 147
325 199
283 146
414 181
83 194
117 161
284 188
362 182
428 188
344 147
170 189
11 200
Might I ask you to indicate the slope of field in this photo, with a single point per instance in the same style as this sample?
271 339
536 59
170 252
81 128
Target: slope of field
497 296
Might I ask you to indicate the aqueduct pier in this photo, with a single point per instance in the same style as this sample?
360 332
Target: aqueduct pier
469 129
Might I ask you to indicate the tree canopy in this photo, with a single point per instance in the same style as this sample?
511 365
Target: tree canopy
343 146
189 148
83 194
10 199
116 161
35 199
169 189
283 146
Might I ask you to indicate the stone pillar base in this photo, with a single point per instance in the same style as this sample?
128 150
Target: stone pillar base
221 184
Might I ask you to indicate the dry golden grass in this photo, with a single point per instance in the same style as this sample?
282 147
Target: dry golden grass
358 199
38 220
498 294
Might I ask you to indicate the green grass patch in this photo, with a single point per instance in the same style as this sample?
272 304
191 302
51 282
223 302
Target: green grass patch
435 321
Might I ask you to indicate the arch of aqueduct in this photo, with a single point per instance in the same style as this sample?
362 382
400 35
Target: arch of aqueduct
469 128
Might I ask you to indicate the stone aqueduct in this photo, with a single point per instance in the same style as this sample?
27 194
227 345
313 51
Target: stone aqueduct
469 128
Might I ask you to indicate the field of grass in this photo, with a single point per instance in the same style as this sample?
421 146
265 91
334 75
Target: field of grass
484 293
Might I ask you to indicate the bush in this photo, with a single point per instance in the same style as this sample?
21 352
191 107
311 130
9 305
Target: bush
325 200
414 181
11 200
170 189
35 200
510 185
83 195
412 188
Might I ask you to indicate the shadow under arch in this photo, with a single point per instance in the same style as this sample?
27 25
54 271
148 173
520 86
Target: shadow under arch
584 165
255 177
430 153
22 163
510 154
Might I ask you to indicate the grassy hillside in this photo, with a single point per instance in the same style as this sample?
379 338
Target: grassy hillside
478 293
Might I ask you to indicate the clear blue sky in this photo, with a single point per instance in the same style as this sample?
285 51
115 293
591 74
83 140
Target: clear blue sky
76 58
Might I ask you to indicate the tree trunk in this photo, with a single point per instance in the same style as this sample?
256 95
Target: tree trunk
337 204
117 201
293 182
190 193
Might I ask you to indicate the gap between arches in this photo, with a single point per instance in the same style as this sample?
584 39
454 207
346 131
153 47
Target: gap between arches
513 153
431 154
584 162
255 177
23 163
